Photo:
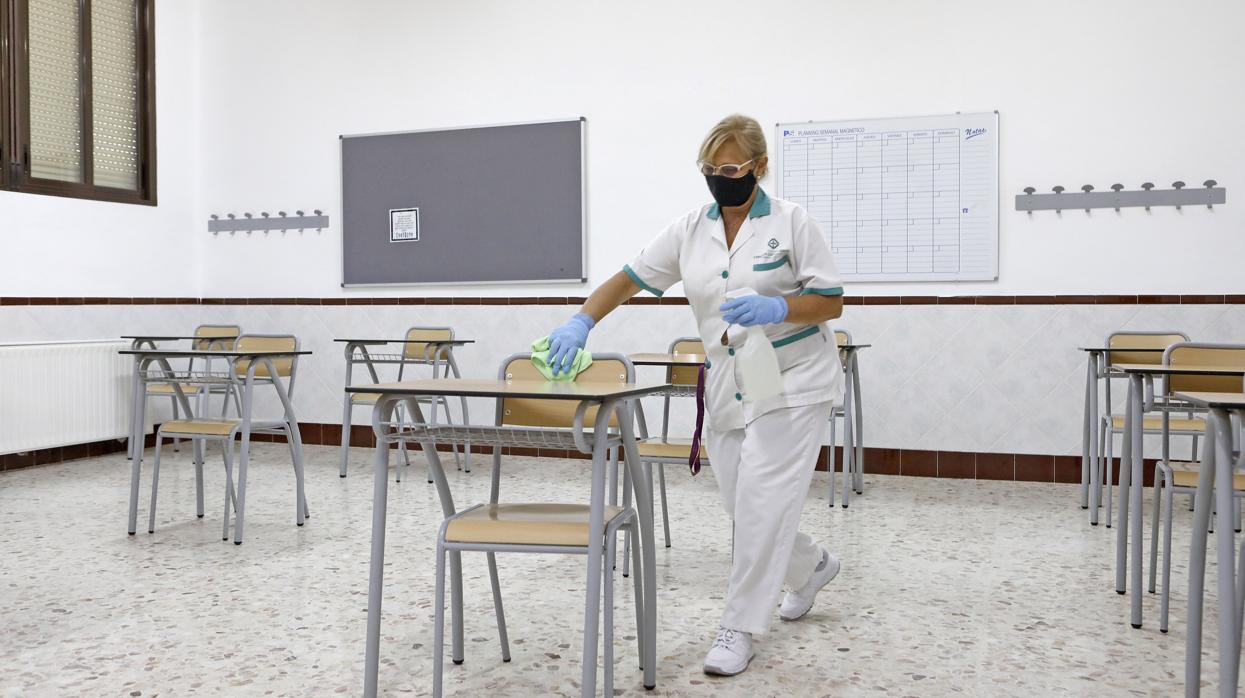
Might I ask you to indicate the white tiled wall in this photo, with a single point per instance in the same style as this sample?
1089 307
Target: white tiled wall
963 378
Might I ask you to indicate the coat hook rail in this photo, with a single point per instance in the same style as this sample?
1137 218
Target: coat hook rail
1179 195
267 222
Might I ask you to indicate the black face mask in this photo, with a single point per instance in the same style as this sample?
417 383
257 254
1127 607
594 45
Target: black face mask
728 191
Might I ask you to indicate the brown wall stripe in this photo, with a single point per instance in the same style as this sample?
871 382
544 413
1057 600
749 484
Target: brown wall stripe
961 465
1193 299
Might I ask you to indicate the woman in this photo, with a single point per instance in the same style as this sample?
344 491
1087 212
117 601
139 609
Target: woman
762 453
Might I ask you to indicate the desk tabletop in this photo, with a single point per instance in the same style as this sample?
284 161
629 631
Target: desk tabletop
667 359
1100 350
176 337
213 353
475 387
406 341
1187 370
1226 401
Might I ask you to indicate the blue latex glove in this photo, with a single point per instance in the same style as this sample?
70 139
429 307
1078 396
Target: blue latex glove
755 310
567 340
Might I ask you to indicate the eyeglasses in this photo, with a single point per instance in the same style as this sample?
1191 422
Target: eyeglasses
732 171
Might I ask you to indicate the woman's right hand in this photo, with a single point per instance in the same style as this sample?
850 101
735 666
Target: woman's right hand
566 341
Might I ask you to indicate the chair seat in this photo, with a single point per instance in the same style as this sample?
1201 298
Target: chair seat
1155 424
526 524
167 389
199 427
670 448
1186 474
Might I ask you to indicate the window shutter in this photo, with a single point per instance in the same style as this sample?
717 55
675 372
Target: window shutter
55 94
114 93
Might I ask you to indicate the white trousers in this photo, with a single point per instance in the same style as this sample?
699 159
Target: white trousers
763 473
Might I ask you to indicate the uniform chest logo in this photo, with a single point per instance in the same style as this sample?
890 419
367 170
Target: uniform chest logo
773 243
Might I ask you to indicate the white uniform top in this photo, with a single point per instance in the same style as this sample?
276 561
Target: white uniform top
779 251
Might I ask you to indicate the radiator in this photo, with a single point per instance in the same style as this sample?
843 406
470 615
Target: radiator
63 393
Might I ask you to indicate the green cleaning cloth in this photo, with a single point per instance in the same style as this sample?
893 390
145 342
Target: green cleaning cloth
540 359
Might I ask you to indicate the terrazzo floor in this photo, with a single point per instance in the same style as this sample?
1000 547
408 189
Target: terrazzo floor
949 588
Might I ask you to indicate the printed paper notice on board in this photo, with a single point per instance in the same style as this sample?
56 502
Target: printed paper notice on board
404 225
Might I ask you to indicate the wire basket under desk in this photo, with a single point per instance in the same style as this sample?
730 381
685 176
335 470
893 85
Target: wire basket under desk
524 437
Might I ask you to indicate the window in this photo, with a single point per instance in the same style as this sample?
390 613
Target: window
77 99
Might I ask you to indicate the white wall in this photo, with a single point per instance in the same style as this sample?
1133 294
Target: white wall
56 246
1125 91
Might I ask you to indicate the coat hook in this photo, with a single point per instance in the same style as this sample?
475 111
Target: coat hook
1058 190
1087 188
1147 186
248 217
319 213
215 218
1177 185
1029 192
1209 184
1116 188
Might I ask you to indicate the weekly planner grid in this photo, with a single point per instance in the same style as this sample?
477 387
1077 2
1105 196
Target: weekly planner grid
902 199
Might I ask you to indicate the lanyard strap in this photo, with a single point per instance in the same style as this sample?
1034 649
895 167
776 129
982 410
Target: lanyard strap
693 459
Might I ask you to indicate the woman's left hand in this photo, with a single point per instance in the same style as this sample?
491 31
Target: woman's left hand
755 310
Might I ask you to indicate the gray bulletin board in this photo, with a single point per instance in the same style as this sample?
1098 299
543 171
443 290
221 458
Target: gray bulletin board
483 204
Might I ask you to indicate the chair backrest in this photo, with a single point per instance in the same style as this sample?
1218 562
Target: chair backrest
215 336
286 366
685 375
1204 354
418 351
1120 342
535 412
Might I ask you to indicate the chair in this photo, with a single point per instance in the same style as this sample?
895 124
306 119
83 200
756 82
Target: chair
663 450
226 430
1181 478
534 527
853 460
414 353
206 337
1111 424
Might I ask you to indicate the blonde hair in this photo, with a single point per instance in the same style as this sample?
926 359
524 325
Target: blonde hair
744 131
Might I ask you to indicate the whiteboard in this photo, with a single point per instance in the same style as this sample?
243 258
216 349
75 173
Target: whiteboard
900 199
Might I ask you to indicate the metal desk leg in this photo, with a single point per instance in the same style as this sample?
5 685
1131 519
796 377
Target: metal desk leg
1086 428
296 443
1121 524
1090 460
466 415
1197 561
596 544
849 436
644 502
376 569
1225 547
859 435
137 418
244 450
1136 488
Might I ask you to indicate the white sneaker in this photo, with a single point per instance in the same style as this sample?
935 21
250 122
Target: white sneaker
798 602
730 654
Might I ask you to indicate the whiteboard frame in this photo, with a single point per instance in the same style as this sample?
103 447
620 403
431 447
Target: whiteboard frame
583 204
998 210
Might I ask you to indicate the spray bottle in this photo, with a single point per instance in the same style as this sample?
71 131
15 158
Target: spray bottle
758 364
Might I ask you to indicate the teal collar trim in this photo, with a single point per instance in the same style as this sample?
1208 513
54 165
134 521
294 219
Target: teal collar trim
640 282
760 207
802 334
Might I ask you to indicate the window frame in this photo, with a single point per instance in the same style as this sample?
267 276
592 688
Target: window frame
15 108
